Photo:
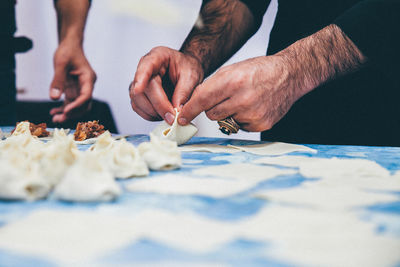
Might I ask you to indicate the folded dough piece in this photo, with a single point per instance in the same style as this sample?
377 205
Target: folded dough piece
126 161
23 142
87 180
121 157
175 132
160 154
22 128
104 144
20 179
60 153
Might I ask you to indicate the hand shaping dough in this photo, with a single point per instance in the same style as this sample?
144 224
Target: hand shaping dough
87 180
160 154
175 132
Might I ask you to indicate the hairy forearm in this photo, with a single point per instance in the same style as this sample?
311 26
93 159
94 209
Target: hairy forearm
319 58
71 19
221 29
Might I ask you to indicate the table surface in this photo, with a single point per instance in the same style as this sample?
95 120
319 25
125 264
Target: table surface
150 228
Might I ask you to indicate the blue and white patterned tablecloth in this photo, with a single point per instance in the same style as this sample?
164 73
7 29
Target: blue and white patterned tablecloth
209 231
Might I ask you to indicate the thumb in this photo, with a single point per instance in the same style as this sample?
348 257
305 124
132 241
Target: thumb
58 83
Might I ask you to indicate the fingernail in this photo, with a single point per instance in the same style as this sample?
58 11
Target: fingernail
182 121
169 118
55 91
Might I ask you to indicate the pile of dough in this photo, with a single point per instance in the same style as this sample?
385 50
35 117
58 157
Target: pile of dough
87 180
59 155
160 154
121 157
30 169
175 132
20 179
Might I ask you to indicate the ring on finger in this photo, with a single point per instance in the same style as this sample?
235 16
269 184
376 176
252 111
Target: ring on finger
228 126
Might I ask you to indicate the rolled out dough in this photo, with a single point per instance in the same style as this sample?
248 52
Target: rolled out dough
274 148
189 185
211 148
243 171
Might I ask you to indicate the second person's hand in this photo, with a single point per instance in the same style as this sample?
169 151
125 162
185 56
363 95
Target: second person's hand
73 77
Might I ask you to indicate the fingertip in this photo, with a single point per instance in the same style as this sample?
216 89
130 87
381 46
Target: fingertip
59 118
55 93
182 121
138 88
169 118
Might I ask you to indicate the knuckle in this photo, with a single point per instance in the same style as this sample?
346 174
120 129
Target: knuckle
247 100
212 115
202 99
241 78
193 76
93 76
258 115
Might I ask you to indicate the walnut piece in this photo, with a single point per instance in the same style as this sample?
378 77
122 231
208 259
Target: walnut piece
86 130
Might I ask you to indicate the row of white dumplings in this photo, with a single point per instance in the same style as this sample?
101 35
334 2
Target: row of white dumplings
30 169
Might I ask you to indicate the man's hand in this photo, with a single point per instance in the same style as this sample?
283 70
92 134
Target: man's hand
163 73
256 93
74 77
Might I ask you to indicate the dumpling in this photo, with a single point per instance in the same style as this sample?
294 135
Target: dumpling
125 161
22 128
121 157
160 154
20 179
104 143
23 142
175 132
87 180
60 153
